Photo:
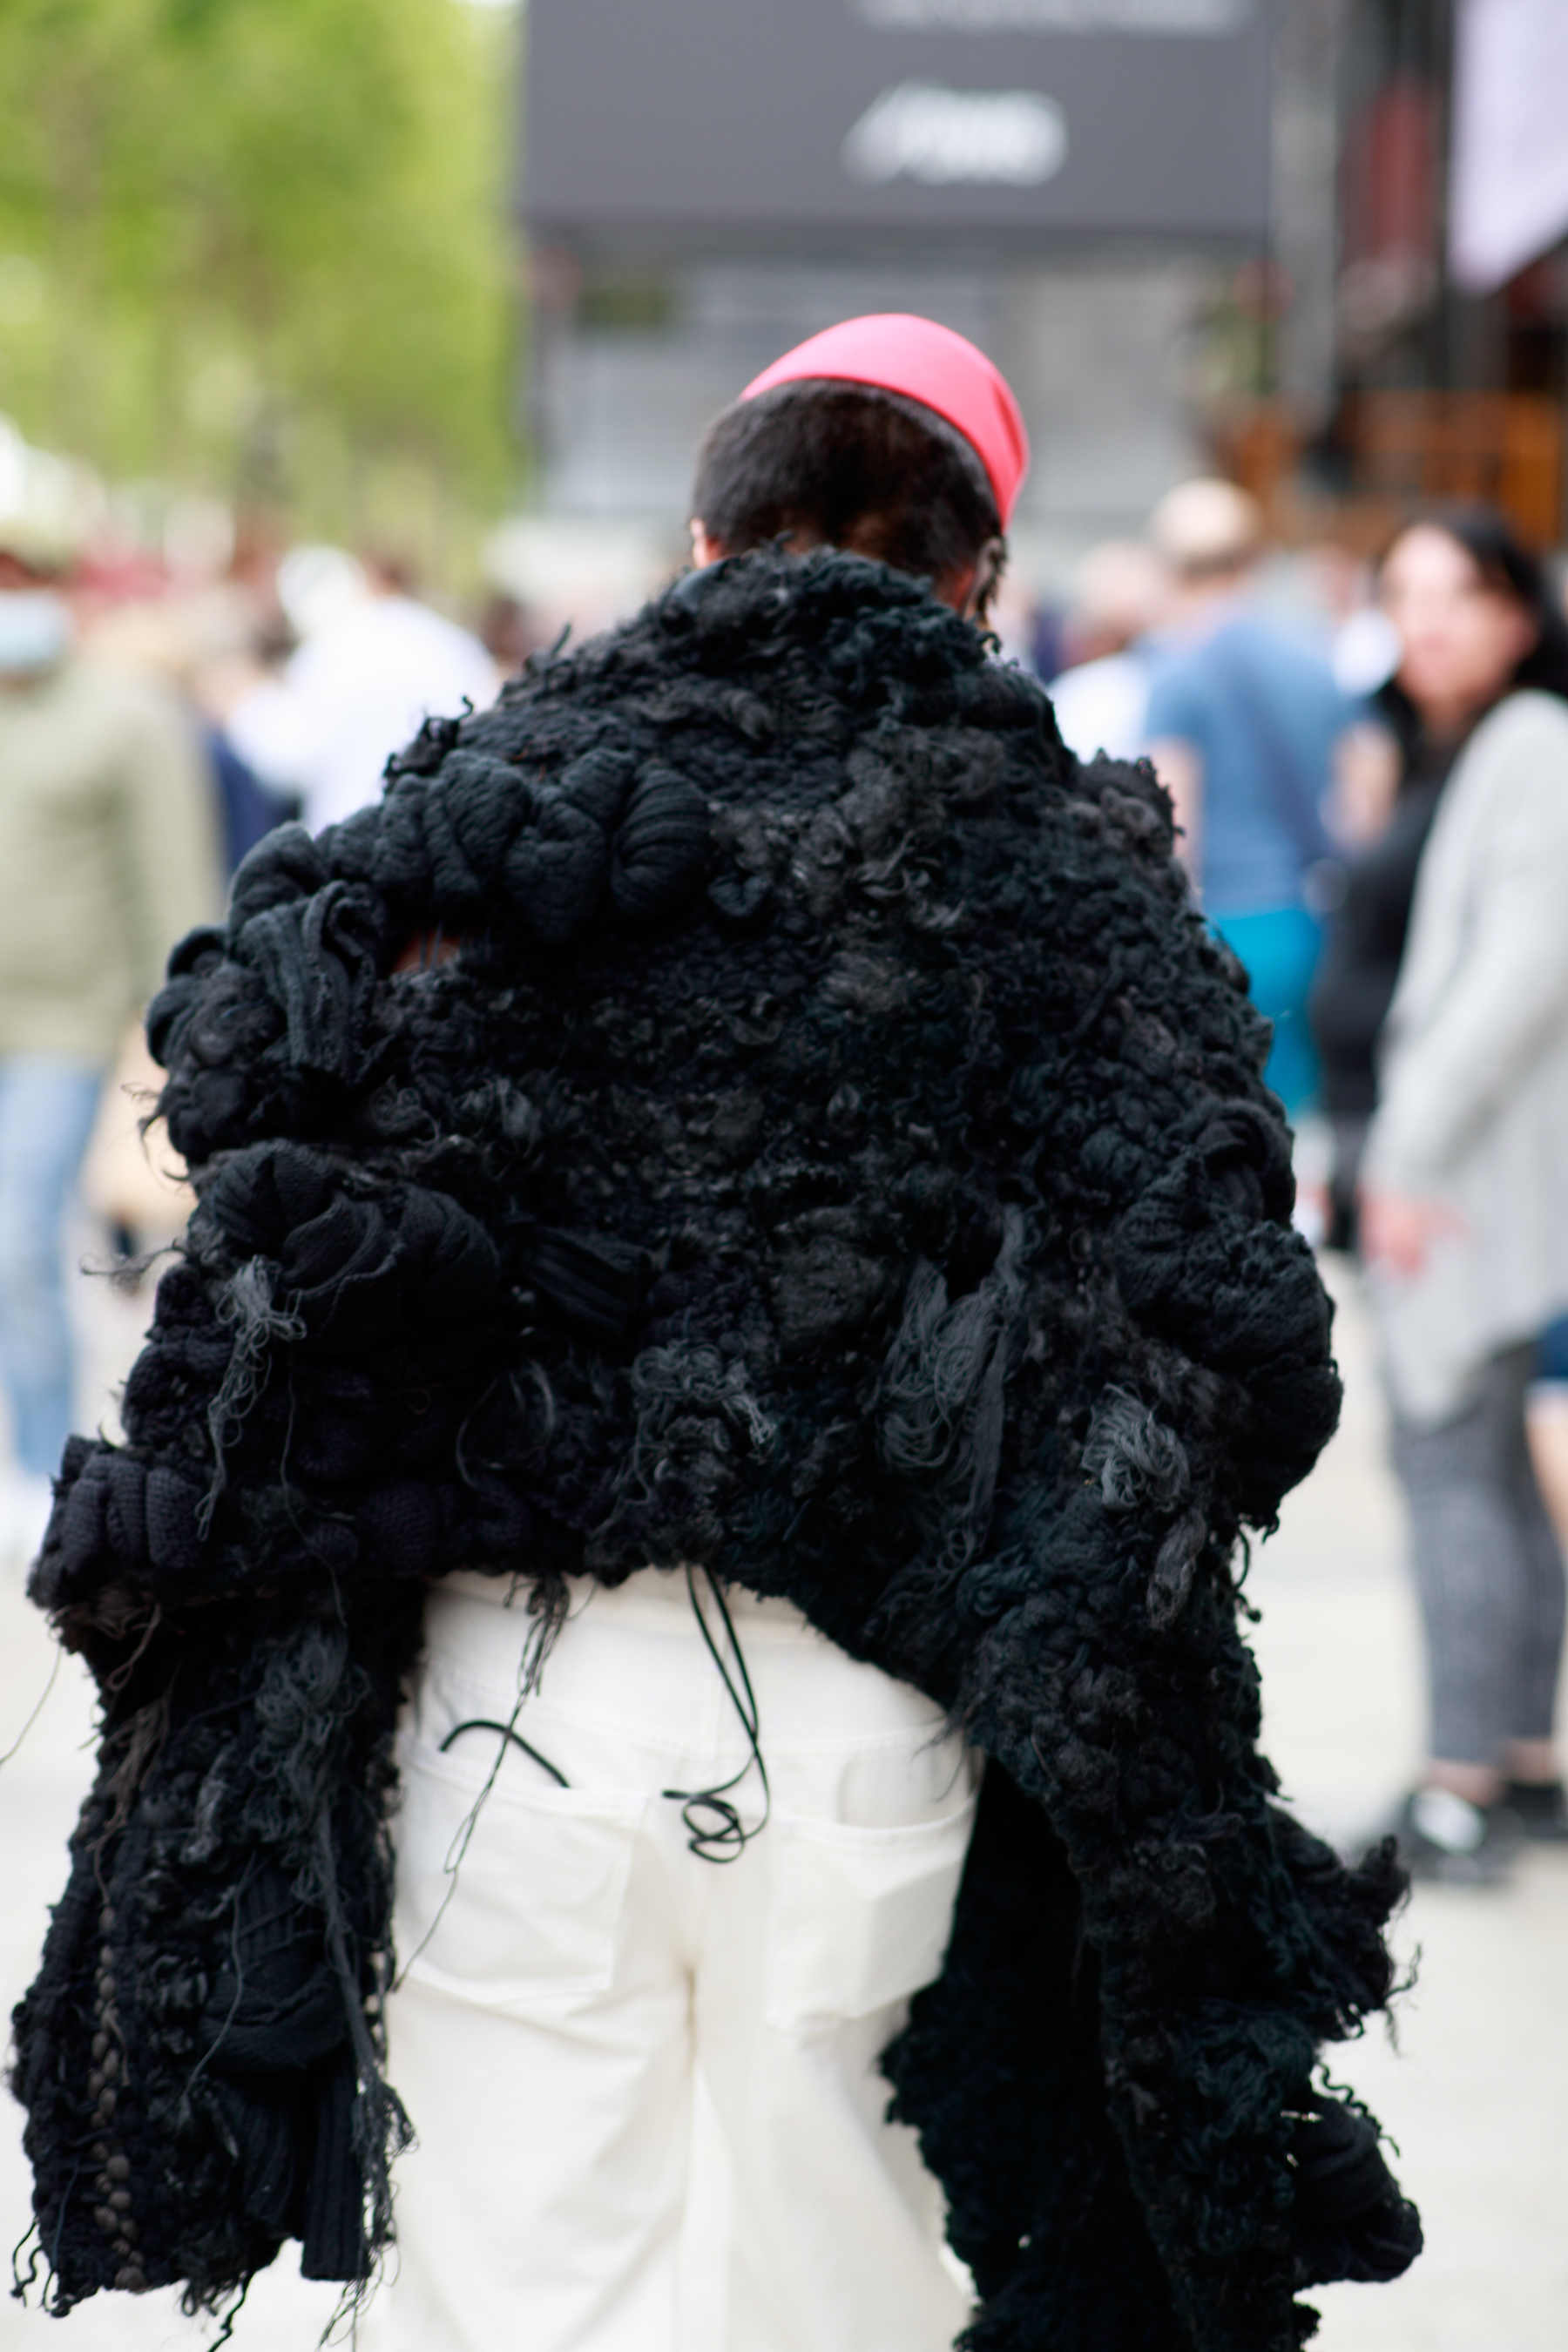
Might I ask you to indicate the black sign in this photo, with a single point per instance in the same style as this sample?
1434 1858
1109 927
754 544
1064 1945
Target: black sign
730 120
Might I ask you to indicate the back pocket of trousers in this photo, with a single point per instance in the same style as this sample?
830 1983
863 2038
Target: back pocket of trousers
859 1918
522 1905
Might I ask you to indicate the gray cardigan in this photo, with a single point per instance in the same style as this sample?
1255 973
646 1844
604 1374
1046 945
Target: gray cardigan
1475 1063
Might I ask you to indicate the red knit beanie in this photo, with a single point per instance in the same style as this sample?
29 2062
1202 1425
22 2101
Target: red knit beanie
899 352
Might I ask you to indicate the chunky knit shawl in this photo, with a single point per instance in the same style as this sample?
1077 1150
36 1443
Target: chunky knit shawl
835 1156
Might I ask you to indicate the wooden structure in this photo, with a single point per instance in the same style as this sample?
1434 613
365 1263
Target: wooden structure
1407 448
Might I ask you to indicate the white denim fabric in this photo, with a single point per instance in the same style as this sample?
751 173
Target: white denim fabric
644 2083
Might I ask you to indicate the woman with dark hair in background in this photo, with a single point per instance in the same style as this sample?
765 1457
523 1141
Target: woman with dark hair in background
1391 818
1461 1216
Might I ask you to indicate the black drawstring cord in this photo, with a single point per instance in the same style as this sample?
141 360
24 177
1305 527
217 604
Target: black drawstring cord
484 1723
715 1831
731 1837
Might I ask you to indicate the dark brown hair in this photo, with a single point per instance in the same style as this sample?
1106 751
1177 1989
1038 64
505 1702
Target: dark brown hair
825 464
1507 565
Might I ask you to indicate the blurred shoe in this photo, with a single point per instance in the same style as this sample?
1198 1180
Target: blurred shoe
1541 1808
1443 1837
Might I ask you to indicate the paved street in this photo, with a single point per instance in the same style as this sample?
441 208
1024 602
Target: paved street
1472 2084
1474 2090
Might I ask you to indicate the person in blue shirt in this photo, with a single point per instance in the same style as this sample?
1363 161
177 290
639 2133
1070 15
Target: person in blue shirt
1242 725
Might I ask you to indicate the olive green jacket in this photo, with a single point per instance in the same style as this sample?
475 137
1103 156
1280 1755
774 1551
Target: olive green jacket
107 854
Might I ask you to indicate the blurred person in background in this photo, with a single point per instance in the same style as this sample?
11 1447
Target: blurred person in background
1361 642
1102 697
1546 1423
180 640
373 664
1385 798
1463 1222
1021 623
130 1181
106 856
1242 724
1388 781
224 627
510 631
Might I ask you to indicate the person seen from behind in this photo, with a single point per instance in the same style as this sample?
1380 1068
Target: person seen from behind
179 642
788 2137
109 854
1462 1223
1243 722
373 662
1102 697
758 1350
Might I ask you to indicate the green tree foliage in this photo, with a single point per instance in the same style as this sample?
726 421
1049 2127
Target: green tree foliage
258 247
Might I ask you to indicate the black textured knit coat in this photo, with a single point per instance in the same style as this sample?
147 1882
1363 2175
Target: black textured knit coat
836 1156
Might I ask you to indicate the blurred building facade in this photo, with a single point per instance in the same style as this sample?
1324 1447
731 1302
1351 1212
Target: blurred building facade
1189 230
633 363
1073 184
1439 363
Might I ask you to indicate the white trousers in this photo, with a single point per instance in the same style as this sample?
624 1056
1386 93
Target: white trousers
645 2083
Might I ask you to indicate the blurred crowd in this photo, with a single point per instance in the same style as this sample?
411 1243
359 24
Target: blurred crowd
150 733
1369 766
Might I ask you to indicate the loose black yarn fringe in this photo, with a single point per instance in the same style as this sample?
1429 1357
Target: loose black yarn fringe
837 1158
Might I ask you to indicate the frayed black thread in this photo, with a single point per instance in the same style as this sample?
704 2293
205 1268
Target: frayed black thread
715 1831
506 1734
225 2333
38 1705
531 1662
245 1303
20 2287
